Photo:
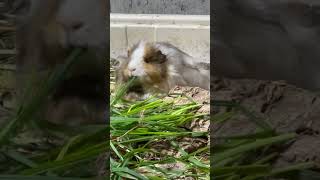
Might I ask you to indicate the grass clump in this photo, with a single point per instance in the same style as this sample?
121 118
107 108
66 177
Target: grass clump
139 129
251 156
33 150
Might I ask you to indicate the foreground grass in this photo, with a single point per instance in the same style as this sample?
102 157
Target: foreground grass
26 150
27 154
250 156
137 127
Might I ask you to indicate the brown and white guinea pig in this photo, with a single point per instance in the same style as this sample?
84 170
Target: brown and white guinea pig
136 90
161 66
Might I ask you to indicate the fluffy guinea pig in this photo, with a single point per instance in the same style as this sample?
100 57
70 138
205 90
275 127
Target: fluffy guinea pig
160 66
149 64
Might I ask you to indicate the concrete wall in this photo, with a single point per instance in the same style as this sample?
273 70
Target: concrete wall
191 33
192 7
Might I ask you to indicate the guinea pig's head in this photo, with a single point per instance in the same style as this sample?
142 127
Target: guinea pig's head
122 76
147 62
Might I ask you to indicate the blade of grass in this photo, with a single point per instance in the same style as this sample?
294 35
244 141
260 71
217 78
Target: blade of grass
29 108
251 146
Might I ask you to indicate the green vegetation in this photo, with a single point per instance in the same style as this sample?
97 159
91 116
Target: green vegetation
33 149
138 128
30 147
249 156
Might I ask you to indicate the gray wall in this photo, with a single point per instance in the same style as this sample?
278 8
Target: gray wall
194 7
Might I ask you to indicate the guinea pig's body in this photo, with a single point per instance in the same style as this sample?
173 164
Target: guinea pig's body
161 66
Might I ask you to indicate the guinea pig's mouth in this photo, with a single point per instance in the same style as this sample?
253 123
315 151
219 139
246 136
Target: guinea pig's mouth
137 89
136 86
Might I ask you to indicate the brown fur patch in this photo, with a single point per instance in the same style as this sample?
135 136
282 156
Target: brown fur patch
153 55
155 67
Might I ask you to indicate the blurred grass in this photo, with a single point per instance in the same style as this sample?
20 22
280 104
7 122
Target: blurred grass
250 156
74 158
7 57
31 149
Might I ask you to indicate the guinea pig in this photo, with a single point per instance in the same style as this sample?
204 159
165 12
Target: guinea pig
160 66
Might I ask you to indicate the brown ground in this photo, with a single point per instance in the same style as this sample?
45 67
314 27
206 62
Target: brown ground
200 96
285 107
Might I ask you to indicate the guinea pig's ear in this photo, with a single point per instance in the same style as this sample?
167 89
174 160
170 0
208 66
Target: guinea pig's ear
156 57
160 57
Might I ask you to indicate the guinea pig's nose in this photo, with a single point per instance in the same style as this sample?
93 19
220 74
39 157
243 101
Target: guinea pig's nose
133 69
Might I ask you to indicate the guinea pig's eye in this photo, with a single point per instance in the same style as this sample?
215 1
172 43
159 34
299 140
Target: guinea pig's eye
160 58
157 58
148 59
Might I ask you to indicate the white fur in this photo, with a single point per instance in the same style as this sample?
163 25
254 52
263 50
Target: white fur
183 70
135 65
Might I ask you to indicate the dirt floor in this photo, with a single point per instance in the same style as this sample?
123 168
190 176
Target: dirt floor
200 96
285 107
198 125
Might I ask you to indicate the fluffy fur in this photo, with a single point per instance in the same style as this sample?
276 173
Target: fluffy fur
160 66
